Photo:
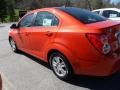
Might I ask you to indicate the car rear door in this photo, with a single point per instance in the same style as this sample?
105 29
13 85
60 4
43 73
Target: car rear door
43 32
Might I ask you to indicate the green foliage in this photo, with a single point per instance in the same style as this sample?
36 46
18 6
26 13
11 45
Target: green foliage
97 4
3 10
88 4
7 10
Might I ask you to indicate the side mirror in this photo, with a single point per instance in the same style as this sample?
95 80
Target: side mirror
13 26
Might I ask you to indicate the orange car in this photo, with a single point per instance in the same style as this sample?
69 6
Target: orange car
71 40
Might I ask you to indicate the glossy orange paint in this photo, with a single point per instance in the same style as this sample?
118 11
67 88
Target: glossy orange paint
69 38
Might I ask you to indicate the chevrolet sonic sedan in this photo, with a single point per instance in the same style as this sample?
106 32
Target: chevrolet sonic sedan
71 40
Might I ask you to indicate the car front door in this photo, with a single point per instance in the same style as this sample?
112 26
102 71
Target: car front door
24 27
44 29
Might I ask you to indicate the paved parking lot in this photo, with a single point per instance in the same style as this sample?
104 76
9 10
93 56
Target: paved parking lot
24 72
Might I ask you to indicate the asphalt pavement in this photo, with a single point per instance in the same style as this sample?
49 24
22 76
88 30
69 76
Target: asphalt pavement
21 71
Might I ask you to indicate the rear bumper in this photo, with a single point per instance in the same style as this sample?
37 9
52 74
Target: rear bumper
104 67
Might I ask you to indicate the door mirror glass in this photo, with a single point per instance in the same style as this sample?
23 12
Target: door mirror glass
13 26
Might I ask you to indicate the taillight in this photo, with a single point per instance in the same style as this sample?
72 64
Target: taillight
100 42
117 35
118 39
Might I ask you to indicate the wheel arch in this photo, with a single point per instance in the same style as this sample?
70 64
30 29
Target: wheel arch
62 50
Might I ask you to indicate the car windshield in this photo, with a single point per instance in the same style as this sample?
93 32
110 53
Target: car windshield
82 15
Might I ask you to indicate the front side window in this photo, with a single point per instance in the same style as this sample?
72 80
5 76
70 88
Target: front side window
26 21
45 19
111 14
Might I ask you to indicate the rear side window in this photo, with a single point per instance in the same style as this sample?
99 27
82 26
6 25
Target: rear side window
46 19
111 14
26 21
82 15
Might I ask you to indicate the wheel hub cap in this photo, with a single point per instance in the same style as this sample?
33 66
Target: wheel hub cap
13 45
59 66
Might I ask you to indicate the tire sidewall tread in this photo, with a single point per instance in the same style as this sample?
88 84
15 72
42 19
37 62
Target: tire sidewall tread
70 72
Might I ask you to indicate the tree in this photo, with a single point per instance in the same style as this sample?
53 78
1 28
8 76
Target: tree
107 4
79 3
97 4
68 3
7 9
10 9
88 4
118 5
3 9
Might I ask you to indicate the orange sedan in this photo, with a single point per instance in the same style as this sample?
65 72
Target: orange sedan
71 40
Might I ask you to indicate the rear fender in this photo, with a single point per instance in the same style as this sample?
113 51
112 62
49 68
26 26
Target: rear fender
62 49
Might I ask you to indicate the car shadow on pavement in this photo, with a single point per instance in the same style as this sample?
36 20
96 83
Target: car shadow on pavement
93 83
35 59
97 83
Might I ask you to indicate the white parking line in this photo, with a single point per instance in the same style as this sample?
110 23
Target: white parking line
6 84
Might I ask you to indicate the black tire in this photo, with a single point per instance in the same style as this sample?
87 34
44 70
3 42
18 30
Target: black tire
13 45
68 72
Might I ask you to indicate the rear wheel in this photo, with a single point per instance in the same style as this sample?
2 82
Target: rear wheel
60 66
13 45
